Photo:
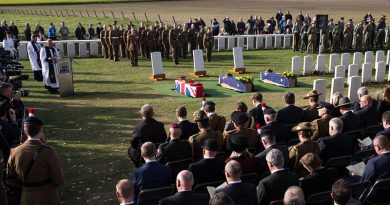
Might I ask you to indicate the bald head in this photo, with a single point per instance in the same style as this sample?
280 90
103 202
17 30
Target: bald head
365 101
184 181
175 133
381 144
233 170
124 191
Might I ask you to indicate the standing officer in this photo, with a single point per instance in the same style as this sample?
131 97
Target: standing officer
296 37
324 43
103 41
192 37
304 37
312 37
115 41
348 32
174 41
125 34
108 42
380 33
200 36
133 46
359 36
160 46
142 38
184 42
152 39
165 39
122 38
368 30
208 41
336 39
35 168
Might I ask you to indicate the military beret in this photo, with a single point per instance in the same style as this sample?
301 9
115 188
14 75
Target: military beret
33 120
211 145
200 115
269 111
175 126
238 143
239 117
325 105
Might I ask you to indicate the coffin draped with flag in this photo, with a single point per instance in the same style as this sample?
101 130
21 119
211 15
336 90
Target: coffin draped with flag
189 88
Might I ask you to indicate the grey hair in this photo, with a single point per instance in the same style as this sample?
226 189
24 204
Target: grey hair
294 196
275 157
233 168
336 124
362 91
147 111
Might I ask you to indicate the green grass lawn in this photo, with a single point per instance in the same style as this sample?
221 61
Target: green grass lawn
33 2
91 130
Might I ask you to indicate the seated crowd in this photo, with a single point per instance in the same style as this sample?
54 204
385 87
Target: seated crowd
262 156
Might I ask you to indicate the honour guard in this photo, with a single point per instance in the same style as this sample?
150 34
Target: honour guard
133 46
208 41
174 41
115 41
103 41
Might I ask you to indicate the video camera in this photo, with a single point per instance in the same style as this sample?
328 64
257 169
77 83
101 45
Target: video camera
10 71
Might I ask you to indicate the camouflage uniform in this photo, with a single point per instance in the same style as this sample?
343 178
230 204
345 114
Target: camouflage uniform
380 34
165 39
192 38
359 37
174 42
348 32
160 45
324 43
336 39
296 37
312 37
184 43
368 31
104 44
108 43
304 37
200 36
133 47
143 43
208 41
115 42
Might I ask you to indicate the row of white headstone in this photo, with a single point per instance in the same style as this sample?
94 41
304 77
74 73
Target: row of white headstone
354 83
198 59
251 42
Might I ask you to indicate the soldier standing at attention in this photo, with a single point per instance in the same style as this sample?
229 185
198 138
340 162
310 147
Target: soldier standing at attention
304 38
348 32
208 41
35 168
296 37
192 37
336 39
133 46
103 41
115 41
380 33
122 38
152 39
108 42
165 37
368 35
324 43
359 36
184 42
160 46
142 38
174 41
124 41
312 37
200 38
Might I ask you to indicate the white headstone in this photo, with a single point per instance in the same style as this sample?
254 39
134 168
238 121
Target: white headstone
23 51
353 70
345 59
320 86
240 41
307 65
333 61
380 70
198 60
157 66
60 47
366 72
339 71
278 41
337 86
221 44
354 84
259 42
296 65
71 50
321 63
231 42
287 41
268 42
357 59
94 49
388 58
379 56
238 57
250 42
83 50
368 56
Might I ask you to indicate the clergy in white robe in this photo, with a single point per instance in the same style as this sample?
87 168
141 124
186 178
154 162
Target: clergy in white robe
9 44
49 58
33 50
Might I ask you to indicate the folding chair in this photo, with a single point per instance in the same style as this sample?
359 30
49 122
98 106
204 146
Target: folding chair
249 178
381 184
371 131
341 161
179 165
358 188
152 196
322 198
362 155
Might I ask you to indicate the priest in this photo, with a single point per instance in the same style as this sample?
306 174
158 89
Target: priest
33 50
49 57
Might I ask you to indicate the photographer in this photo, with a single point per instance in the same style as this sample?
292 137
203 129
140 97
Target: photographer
10 132
7 94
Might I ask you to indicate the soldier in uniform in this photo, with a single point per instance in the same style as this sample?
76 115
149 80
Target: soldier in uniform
165 39
388 37
192 37
312 37
133 46
348 33
200 36
324 43
380 33
122 46
143 43
320 127
239 120
310 113
184 42
108 42
197 140
336 33
35 168
296 36
115 41
368 31
124 40
304 37
103 41
160 45
152 39
359 36
174 42
208 41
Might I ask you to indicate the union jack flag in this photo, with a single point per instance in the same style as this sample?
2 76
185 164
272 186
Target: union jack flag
189 88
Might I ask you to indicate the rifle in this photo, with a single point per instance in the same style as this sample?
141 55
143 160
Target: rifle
159 18
146 18
174 21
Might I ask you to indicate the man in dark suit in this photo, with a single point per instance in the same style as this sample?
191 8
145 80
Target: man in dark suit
368 114
242 193
362 91
291 114
175 149
386 125
188 128
319 179
273 187
278 128
257 111
217 122
378 168
124 192
351 121
149 130
185 195
342 193
152 174
268 141
208 169
311 112
336 144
